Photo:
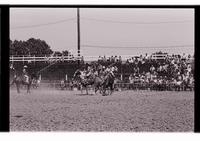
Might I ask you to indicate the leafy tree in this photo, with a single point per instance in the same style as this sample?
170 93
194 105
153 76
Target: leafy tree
57 53
18 48
30 47
38 47
65 53
35 47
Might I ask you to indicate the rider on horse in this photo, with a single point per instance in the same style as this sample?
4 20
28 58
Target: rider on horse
110 71
25 74
13 70
89 71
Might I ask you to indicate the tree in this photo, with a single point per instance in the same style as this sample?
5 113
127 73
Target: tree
38 47
57 53
65 53
35 47
12 49
30 47
18 48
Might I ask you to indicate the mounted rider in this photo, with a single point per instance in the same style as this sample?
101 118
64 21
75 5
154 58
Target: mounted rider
113 69
89 71
109 76
102 71
110 70
12 70
25 74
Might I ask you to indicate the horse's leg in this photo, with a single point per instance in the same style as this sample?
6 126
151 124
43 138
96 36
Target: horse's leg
18 87
28 88
104 90
96 88
81 87
111 88
184 87
187 87
86 90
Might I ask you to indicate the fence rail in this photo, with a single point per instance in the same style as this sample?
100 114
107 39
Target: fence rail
42 59
70 58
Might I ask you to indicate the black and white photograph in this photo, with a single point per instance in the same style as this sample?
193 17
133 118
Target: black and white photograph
77 69
0 48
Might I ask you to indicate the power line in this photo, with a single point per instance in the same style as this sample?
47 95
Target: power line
45 24
131 22
98 20
133 47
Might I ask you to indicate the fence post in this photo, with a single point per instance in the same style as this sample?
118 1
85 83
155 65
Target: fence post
66 77
121 77
34 58
40 77
12 59
23 58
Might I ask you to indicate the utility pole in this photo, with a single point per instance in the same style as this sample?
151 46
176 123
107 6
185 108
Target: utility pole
78 34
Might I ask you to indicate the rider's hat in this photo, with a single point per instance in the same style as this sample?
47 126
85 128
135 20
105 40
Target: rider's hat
25 66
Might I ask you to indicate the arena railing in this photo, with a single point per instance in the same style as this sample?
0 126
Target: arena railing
24 58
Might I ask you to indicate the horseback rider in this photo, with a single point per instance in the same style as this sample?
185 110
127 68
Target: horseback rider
107 70
89 71
25 74
83 73
12 69
110 70
102 71
99 69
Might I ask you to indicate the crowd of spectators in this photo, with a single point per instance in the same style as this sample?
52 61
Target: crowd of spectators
171 69
111 59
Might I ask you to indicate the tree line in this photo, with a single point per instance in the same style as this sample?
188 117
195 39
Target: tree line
32 47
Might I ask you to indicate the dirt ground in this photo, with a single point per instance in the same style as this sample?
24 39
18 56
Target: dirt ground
129 111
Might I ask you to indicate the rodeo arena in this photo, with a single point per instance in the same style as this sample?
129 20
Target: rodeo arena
139 93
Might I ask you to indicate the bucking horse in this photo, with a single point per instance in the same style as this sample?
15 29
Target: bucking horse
105 84
84 82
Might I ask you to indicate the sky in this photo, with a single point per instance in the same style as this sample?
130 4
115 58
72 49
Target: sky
107 31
